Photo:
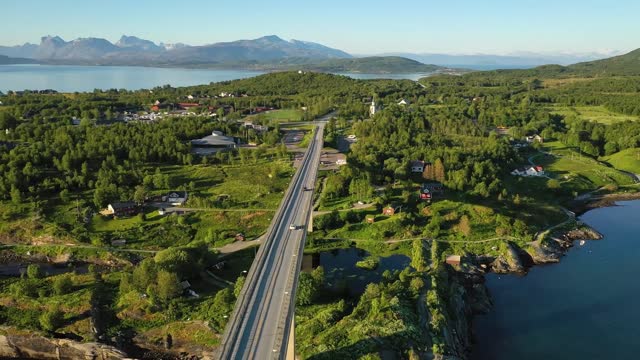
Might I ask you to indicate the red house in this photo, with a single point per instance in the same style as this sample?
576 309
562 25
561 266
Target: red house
187 106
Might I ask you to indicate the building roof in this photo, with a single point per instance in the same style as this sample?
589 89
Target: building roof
214 140
122 205
416 163
177 194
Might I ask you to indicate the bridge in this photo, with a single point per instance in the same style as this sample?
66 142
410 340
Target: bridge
262 323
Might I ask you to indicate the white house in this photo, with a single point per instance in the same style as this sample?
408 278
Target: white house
190 97
534 138
417 166
177 198
403 102
529 171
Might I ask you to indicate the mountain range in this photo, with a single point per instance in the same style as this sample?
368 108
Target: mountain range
265 53
621 65
267 48
512 61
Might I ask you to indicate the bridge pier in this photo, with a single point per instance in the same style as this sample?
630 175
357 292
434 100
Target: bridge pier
291 345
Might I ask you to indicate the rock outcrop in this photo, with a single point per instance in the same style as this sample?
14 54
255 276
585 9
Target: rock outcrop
31 346
514 260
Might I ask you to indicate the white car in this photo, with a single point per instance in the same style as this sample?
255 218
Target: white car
292 227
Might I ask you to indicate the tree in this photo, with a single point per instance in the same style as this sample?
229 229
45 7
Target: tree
64 195
237 288
221 308
428 173
168 285
553 184
7 121
309 285
16 196
418 256
145 274
176 260
464 225
140 194
51 320
62 285
126 283
33 271
438 171
516 200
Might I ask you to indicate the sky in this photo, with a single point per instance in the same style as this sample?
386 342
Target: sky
358 27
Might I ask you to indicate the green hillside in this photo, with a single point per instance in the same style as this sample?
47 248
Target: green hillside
628 64
374 64
627 160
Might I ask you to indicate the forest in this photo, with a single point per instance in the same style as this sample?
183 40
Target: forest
64 157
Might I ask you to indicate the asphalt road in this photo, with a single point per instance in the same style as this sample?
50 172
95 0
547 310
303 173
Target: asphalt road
260 325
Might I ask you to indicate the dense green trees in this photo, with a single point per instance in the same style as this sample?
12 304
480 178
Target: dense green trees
309 286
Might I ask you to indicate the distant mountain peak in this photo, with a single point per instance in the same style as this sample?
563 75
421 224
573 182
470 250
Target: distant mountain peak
134 50
272 38
52 39
137 43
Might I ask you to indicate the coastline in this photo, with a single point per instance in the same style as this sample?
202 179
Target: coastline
582 206
548 250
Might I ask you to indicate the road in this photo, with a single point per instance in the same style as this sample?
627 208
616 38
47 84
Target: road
260 325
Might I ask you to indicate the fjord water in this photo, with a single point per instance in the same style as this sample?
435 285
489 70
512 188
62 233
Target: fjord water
71 78
586 307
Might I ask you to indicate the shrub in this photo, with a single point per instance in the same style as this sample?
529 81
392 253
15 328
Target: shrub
51 320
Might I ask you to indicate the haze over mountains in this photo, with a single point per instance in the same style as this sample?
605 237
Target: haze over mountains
265 53
490 61
133 49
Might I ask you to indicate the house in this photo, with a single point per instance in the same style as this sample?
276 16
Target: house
155 108
120 242
432 187
213 143
529 171
190 97
403 102
187 106
118 209
417 166
389 211
341 161
240 237
453 260
426 195
534 138
185 285
177 198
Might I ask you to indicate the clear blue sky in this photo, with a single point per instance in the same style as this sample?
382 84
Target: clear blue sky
360 27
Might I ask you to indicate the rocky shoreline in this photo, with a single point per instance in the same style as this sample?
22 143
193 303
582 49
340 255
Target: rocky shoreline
600 201
515 260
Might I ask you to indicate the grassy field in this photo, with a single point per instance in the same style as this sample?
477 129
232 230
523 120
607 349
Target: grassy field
251 193
592 113
284 115
579 172
627 160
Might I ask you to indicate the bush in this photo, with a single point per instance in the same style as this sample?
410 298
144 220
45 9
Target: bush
33 271
51 320
168 285
62 285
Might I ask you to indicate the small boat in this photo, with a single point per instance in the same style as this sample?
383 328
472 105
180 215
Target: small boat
582 242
